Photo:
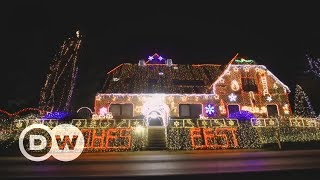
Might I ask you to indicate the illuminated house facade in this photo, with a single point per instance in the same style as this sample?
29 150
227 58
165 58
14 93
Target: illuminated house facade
158 90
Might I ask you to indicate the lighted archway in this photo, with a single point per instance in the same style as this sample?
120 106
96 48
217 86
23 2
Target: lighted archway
153 109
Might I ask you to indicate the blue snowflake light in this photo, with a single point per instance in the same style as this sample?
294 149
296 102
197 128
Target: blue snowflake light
209 110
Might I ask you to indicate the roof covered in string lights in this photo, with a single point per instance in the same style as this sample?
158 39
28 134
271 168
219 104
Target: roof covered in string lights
160 75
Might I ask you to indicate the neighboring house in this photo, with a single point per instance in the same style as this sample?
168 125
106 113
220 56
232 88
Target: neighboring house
157 90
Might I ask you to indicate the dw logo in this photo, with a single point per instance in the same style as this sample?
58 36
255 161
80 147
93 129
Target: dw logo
67 142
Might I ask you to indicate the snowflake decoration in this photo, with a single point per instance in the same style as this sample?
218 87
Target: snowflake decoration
235 69
232 97
209 109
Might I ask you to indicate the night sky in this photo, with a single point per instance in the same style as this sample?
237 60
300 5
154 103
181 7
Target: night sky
275 35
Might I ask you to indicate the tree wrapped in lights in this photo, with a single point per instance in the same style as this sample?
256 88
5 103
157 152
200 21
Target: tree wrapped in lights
56 94
314 65
302 105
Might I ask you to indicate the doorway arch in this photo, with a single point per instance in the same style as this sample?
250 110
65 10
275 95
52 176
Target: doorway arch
155 114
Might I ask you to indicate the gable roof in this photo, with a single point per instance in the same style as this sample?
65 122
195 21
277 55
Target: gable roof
161 78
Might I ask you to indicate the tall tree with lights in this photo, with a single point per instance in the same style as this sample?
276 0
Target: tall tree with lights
302 105
57 92
314 65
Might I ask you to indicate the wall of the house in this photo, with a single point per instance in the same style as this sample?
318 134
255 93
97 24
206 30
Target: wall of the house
259 99
269 90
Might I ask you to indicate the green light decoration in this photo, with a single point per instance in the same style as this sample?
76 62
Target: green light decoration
244 61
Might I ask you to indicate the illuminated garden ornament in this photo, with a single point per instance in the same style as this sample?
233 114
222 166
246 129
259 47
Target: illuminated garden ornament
103 111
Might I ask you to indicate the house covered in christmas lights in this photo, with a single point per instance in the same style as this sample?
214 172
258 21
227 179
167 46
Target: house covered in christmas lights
158 90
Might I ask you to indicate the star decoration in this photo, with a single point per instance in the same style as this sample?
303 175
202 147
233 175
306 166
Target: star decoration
269 98
150 58
160 58
232 97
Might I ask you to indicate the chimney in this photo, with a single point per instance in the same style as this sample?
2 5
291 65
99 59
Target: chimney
169 62
142 62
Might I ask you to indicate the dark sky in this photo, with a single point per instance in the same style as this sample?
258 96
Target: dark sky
276 35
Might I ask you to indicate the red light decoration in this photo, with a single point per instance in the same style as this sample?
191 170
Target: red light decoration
213 137
21 111
106 138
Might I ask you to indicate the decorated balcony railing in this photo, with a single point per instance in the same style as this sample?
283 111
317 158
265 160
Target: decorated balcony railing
264 122
304 122
203 123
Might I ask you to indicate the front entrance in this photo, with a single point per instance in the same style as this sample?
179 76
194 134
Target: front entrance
155 119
